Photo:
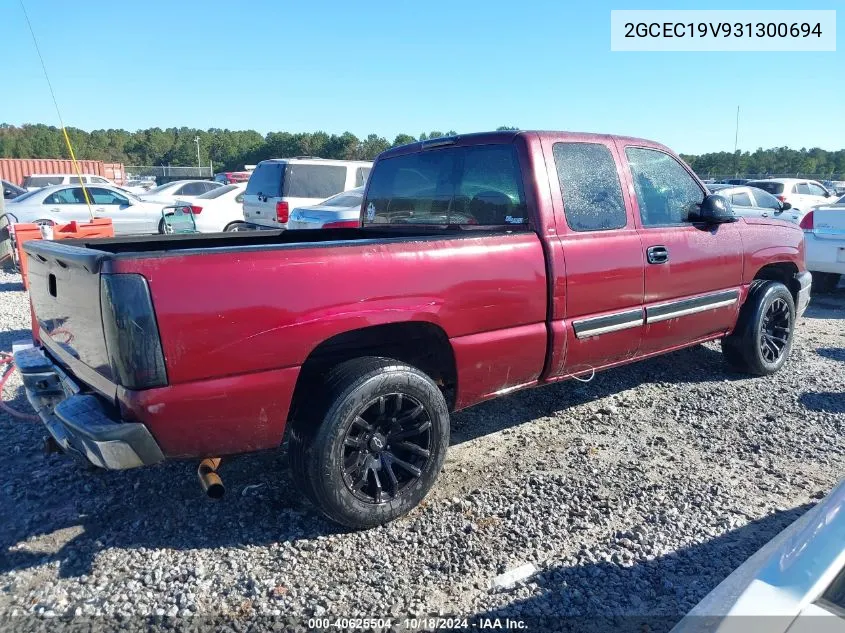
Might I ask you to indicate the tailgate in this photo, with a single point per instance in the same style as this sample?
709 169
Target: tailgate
829 223
64 287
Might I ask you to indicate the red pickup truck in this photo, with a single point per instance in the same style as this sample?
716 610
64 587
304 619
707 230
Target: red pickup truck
484 264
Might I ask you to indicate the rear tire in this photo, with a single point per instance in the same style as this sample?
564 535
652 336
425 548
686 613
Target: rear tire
372 444
762 339
824 283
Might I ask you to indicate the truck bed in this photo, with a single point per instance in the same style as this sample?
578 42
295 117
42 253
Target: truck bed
162 244
244 311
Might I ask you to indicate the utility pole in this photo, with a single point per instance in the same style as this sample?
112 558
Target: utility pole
197 141
736 140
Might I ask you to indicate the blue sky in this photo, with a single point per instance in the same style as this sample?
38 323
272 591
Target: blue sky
391 67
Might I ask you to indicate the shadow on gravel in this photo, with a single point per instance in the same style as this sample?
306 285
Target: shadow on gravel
833 353
16 285
826 401
7 337
703 364
830 305
63 513
605 596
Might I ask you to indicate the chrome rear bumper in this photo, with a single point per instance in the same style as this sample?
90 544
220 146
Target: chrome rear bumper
78 422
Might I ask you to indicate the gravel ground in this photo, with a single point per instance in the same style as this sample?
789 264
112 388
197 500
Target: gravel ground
633 495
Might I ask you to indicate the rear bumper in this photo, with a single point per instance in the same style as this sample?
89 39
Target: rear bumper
804 280
79 423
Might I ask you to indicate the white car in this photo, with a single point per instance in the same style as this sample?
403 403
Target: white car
36 181
281 184
794 584
340 211
750 202
59 204
177 190
824 241
800 193
220 209
139 187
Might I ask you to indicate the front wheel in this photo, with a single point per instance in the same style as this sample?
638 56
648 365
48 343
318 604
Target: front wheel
234 227
762 339
374 447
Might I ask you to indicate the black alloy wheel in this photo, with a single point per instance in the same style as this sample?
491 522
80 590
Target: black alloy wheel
387 447
775 330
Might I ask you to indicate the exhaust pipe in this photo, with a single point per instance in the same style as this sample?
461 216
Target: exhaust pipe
209 479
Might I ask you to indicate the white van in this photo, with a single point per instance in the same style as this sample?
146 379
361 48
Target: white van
36 181
279 185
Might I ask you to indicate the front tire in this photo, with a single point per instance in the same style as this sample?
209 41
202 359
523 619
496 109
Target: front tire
372 446
762 339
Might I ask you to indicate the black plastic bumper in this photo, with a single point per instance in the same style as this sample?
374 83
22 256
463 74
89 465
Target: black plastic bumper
79 422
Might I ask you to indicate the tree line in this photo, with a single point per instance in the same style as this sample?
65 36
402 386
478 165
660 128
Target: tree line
232 149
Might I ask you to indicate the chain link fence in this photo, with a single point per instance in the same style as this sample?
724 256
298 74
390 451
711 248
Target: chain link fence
163 173
719 176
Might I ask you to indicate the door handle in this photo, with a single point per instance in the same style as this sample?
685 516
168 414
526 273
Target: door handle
764 215
657 255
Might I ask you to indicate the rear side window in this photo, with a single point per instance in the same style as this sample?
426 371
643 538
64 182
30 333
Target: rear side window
475 185
801 188
666 193
361 175
589 183
774 188
741 199
66 196
313 181
266 180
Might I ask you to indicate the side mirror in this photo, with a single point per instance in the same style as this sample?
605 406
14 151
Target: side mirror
785 206
714 209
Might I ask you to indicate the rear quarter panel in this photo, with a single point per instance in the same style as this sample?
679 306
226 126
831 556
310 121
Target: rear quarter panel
259 309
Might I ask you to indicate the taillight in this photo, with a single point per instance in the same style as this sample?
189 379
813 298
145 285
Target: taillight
349 224
282 212
131 331
781 198
196 210
807 222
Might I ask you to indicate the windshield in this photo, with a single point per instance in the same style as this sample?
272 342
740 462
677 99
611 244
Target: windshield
160 188
23 197
480 184
217 192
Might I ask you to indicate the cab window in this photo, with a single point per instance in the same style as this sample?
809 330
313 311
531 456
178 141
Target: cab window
473 185
589 184
666 193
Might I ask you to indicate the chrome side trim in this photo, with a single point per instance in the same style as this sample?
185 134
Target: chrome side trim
594 326
685 307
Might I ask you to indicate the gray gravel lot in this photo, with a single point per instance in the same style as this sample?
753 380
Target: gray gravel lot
634 495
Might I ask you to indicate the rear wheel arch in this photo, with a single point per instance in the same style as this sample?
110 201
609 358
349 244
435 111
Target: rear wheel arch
420 344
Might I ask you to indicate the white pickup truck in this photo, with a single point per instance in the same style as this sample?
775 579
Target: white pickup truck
824 237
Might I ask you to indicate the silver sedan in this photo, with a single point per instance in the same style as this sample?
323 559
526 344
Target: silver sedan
59 204
340 211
